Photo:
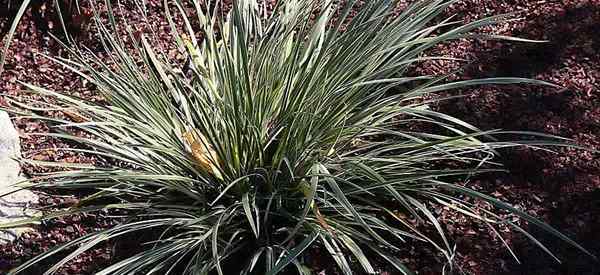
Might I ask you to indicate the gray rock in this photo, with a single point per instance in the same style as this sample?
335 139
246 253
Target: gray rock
14 204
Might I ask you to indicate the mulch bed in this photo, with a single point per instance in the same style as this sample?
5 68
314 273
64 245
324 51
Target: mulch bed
563 188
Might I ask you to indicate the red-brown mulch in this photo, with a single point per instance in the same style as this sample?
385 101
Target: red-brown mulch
563 189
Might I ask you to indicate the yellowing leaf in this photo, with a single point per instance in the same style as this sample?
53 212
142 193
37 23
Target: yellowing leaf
204 155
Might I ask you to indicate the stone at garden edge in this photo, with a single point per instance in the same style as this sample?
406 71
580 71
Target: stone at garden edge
16 205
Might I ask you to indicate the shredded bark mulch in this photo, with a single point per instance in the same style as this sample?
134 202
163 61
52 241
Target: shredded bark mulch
562 188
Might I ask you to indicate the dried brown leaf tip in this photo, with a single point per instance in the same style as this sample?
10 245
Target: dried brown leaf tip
321 220
74 116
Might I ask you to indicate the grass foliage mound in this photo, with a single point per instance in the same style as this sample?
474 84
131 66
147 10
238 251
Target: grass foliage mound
280 134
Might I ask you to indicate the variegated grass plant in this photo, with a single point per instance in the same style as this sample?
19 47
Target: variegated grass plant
280 134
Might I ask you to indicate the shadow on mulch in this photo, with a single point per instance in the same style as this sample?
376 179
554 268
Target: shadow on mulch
577 26
535 261
572 204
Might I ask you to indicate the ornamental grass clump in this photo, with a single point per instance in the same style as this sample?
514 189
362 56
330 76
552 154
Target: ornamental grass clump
280 134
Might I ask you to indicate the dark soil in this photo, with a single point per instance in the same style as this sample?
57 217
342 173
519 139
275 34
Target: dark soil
562 188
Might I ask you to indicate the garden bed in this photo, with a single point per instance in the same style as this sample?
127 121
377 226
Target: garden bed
563 189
